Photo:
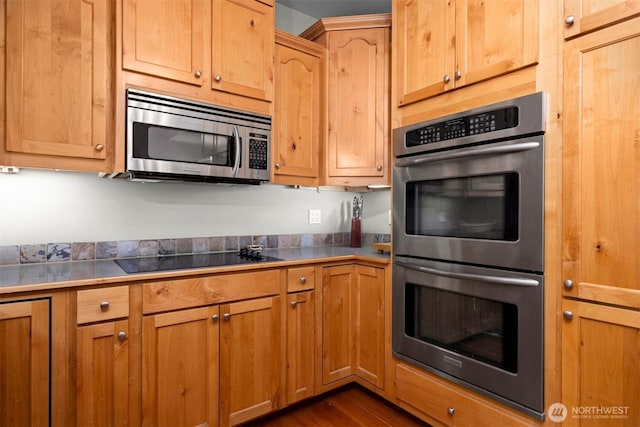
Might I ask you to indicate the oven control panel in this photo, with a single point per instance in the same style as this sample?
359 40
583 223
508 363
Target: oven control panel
258 151
473 124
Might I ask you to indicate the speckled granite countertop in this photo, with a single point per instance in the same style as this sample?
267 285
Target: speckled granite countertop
50 276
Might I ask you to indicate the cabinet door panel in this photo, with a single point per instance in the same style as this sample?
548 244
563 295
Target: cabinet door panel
180 368
165 38
102 374
601 178
58 80
243 43
357 104
250 359
590 15
300 345
494 38
600 360
426 31
24 365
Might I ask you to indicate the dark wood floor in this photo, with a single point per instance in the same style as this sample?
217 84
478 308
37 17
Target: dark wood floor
348 406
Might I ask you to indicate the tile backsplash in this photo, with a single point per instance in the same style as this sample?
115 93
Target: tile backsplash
83 251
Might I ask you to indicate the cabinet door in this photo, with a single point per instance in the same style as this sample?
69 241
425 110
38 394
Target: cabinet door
601 178
337 330
494 38
180 368
297 128
425 32
358 110
103 374
24 365
600 359
166 38
250 359
582 16
300 345
243 33
58 82
368 321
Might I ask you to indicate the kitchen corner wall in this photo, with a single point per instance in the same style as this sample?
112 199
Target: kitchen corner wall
45 206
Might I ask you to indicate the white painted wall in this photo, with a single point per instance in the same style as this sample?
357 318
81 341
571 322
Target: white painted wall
291 20
45 206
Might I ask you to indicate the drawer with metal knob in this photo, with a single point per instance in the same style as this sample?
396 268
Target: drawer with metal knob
301 278
96 305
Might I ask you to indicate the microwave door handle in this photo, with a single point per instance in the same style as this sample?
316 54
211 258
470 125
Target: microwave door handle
236 141
469 152
468 276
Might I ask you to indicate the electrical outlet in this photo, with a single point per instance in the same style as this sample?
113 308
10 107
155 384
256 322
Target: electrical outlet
315 216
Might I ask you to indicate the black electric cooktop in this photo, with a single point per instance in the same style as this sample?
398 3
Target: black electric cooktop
185 262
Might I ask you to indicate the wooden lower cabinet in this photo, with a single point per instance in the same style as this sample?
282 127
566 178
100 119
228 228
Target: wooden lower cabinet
442 403
102 374
250 359
300 345
352 316
180 368
600 363
25 379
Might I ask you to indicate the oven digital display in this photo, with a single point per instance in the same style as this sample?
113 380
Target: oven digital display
473 124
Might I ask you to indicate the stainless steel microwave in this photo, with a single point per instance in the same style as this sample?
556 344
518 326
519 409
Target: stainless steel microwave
169 138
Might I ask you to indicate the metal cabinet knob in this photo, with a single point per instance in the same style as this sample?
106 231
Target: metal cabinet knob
104 305
457 75
568 284
568 315
218 77
294 304
122 335
446 78
226 316
198 74
303 280
215 317
569 20
278 165
451 410
99 147
379 168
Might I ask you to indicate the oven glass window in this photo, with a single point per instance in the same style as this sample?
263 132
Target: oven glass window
165 143
479 328
475 207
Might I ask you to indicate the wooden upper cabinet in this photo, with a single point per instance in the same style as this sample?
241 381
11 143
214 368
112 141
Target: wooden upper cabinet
166 38
601 178
581 16
243 43
357 148
298 102
443 45
59 77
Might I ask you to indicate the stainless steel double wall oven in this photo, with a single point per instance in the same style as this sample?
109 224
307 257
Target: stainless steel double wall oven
468 249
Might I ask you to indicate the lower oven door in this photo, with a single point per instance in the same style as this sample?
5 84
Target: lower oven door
479 327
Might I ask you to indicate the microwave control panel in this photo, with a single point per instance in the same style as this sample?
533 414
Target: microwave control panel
258 151
474 124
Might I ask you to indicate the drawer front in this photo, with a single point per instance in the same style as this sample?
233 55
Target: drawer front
95 305
177 294
301 279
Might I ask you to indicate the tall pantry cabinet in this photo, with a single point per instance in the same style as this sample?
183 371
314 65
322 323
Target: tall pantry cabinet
601 215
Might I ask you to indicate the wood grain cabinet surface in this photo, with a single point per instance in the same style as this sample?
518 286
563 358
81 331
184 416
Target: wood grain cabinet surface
447 45
582 16
356 152
298 110
58 84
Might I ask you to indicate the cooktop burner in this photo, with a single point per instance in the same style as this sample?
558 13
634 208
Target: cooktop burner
185 262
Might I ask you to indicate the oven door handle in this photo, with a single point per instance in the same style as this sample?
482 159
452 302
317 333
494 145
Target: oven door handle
468 276
469 152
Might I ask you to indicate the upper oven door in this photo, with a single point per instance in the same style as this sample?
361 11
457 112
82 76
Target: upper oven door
478 205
